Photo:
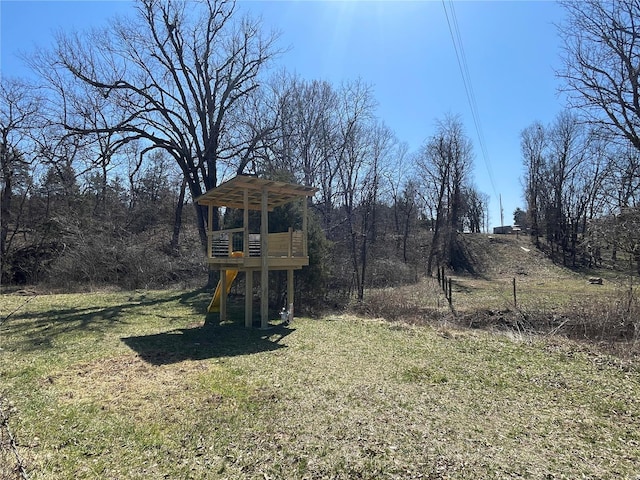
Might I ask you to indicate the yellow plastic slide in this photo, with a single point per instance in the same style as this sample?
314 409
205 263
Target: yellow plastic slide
214 305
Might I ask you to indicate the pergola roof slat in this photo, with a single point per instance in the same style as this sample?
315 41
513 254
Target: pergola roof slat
231 193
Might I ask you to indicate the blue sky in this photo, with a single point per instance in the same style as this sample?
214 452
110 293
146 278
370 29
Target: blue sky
402 48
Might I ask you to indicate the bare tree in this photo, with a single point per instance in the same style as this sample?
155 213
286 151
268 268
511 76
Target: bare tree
566 153
475 206
574 173
406 215
307 112
307 142
18 113
583 189
602 45
622 232
623 187
618 192
179 76
533 145
566 167
404 197
357 171
445 162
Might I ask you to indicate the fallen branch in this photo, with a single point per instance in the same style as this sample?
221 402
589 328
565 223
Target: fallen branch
10 443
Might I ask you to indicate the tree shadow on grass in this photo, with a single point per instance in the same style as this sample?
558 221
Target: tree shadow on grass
34 330
38 330
208 341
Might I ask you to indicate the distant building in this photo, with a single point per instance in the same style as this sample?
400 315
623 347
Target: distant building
503 230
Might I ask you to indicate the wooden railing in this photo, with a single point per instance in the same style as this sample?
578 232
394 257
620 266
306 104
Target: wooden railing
223 242
283 244
286 244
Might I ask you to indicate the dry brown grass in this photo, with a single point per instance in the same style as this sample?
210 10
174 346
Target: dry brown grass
549 299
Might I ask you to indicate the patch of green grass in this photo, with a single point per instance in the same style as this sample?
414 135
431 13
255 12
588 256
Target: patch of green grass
144 385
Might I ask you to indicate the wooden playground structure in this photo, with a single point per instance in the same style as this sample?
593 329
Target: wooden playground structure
239 250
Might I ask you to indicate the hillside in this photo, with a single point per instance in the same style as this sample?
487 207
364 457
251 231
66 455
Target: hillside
521 288
511 285
496 256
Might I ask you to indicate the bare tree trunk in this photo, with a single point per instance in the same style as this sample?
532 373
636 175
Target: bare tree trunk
439 219
189 64
177 222
5 201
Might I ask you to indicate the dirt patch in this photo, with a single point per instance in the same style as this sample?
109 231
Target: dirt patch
125 381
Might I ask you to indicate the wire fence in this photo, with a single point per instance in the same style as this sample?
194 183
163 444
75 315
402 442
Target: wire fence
612 315
445 284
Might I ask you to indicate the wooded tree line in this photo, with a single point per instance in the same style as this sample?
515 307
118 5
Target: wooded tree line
128 124
582 172
580 183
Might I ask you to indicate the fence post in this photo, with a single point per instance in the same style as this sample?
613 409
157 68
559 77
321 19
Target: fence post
515 302
450 296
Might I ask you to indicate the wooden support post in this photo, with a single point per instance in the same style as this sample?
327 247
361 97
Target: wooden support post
248 299
305 226
210 232
223 295
290 293
245 224
264 252
248 274
450 296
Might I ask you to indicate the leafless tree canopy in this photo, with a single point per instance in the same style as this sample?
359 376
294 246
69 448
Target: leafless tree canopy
180 76
602 63
445 163
18 117
138 118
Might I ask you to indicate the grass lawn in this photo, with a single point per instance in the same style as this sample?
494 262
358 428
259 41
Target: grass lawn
143 385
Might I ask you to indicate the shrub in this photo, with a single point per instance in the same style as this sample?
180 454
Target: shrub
390 272
600 320
127 261
393 304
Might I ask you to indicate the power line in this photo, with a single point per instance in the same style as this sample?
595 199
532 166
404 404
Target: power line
456 38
